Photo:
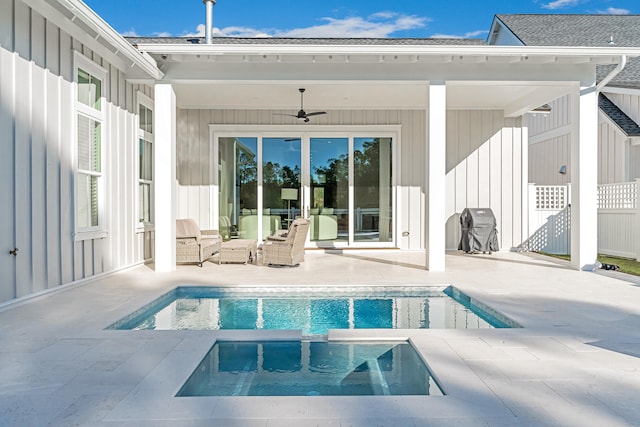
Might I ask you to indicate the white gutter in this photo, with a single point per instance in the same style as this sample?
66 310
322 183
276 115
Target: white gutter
259 47
613 73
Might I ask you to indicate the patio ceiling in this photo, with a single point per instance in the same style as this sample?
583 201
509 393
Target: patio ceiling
348 95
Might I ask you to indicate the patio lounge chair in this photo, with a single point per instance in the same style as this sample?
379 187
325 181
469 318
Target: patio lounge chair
193 244
287 249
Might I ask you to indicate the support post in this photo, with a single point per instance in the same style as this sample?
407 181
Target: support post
584 181
164 156
435 185
637 239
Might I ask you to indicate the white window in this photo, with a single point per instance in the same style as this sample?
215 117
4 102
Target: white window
145 160
89 158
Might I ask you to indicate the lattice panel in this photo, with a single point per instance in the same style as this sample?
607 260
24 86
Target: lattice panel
618 196
551 197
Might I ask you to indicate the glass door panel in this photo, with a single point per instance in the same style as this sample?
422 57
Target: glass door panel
329 190
238 187
281 195
372 190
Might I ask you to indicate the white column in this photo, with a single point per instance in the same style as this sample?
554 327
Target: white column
584 178
435 185
164 155
525 197
637 239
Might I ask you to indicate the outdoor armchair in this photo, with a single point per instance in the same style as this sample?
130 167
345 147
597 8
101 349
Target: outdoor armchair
194 245
287 249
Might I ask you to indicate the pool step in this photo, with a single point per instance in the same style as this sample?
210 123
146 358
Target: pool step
378 381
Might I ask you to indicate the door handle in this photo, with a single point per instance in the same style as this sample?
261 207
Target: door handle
14 252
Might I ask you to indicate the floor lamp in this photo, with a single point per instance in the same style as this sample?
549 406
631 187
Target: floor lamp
289 194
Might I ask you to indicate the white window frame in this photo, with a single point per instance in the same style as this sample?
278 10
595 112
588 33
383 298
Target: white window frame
147 102
314 131
84 63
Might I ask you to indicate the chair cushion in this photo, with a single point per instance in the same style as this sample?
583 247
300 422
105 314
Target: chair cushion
187 228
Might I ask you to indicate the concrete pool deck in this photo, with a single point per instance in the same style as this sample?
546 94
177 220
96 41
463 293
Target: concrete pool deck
575 362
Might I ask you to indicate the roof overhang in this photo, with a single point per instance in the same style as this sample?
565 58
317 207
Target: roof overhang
376 53
83 24
265 75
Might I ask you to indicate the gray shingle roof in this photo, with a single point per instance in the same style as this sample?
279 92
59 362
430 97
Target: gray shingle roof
624 122
574 30
582 30
308 41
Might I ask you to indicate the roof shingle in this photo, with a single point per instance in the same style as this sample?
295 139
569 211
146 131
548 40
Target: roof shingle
582 30
308 41
624 122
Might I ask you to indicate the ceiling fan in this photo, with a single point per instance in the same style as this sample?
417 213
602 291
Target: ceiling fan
303 115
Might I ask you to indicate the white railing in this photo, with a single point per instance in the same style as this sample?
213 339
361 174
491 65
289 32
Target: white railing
618 196
618 219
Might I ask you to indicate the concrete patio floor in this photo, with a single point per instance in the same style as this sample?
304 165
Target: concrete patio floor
576 362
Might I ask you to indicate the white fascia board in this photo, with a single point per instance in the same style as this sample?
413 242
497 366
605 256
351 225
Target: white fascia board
621 91
596 55
497 27
111 36
115 49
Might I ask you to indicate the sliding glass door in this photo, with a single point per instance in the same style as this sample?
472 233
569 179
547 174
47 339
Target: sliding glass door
281 195
372 190
342 184
329 190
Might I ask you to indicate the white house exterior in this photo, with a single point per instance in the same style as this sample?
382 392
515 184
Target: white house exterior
618 131
42 47
550 160
86 111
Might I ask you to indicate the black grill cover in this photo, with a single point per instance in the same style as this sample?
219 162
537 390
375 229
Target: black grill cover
479 232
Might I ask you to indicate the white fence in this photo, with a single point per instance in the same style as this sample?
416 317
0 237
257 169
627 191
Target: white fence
618 219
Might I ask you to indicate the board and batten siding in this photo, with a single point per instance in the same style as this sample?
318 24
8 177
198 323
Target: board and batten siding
484 165
550 144
630 104
484 169
37 111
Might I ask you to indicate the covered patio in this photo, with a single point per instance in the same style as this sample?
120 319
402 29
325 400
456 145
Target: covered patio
574 362
456 113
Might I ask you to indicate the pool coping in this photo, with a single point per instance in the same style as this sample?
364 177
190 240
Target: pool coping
155 396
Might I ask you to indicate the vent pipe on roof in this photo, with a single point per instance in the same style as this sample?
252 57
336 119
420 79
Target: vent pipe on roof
208 24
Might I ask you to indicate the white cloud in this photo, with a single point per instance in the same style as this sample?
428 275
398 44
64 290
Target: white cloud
228 32
130 33
469 35
614 11
560 4
382 24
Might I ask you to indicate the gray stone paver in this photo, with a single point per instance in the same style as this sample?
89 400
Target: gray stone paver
575 362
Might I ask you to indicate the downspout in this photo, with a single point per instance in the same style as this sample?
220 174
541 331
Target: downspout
208 19
613 73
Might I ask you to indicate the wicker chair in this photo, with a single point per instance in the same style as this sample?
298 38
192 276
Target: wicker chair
194 245
289 249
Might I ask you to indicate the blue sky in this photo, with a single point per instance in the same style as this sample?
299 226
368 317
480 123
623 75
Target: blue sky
333 18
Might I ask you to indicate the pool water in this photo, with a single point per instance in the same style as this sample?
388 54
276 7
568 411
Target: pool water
207 308
308 368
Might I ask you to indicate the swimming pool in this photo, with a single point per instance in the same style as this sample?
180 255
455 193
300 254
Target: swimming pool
310 368
313 310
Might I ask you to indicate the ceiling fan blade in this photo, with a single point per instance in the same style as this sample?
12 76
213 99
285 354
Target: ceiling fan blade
316 113
283 114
